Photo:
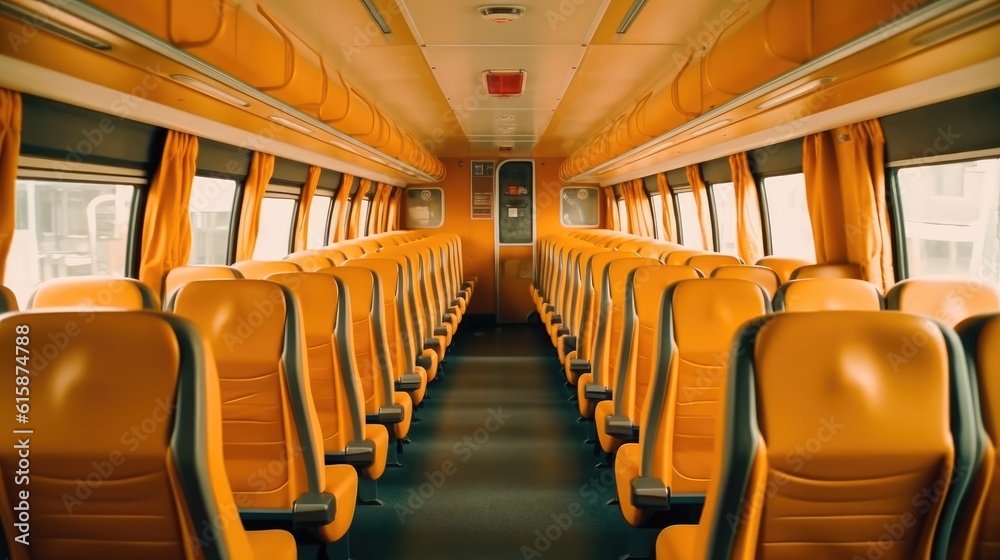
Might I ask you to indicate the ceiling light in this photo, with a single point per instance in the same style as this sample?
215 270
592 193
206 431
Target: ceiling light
376 16
36 20
709 128
505 83
796 92
501 14
209 90
289 124
505 118
968 23
630 16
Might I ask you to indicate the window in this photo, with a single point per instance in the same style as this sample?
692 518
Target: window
656 203
950 219
725 215
67 229
579 207
211 209
424 207
276 217
622 215
319 216
691 228
366 207
788 215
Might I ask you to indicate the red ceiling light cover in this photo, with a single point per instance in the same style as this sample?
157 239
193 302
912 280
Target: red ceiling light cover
505 83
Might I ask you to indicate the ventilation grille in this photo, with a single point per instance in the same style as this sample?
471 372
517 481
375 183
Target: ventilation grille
502 14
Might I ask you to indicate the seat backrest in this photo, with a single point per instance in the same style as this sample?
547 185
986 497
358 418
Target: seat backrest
395 314
310 260
94 292
832 428
329 341
8 302
764 277
607 361
783 266
681 256
336 256
350 249
979 533
828 270
708 263
152 464
259 270
254 328
593 312
368 245
693 334
828 294
948 301
645 287
181 275
370 354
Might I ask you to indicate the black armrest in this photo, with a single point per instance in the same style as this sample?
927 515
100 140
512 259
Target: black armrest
556 319
621 427
464 294
453 310
549 307
432 343
424 361
579 366
568 344
455 303
562 331
440 331
409 381
358 453
467 285
650 493
314 510
597 392
390 414
447 317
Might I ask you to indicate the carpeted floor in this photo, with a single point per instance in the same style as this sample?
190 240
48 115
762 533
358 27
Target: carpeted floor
497 468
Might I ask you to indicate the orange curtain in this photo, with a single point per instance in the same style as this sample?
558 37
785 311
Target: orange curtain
166 232
612 220
261 169
305 203
386 203
629 217
750 240
380 209
845 190
338 222
640 217
667 207
701 203
10 150
354 226
396 221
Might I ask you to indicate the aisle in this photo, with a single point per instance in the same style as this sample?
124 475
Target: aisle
497 469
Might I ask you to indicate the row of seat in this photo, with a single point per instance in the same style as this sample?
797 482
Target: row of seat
654 348
302 381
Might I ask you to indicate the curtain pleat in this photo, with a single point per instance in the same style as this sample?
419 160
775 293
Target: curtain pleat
338 221
700 192
305 204
166 232
750 240
10 151
259 175
667 207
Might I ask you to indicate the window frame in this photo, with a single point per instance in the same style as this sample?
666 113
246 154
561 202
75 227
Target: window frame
332 195
283 192
716 222
766 209
234 218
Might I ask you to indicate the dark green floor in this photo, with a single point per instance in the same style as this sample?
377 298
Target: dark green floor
497 468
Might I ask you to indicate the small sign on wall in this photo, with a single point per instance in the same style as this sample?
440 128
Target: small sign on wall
578 207
482 190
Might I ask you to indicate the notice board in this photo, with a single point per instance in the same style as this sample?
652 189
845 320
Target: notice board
482 190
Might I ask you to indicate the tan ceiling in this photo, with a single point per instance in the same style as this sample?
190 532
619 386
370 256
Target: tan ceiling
427 73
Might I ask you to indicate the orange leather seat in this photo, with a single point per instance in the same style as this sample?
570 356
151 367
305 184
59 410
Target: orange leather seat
382 403
274 447
828 294
335 256
708 263
978 536
333 373
143 478
259 270
828 270
948 301
409 377
681 256
94 292
784 267
567 334
416 328
350 249
677 396
181 275
310 260
827 449
764 277
8 302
